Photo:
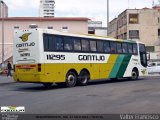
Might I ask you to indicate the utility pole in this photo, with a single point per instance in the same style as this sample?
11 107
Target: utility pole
2 13
107 13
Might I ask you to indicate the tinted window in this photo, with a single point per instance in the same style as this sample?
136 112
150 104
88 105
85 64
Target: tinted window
58 43
77 44
68 43
93 46
142 48
125 47
51 43
130 48
135 49
99 46
85 45
48 43
106 47
113 47
119 47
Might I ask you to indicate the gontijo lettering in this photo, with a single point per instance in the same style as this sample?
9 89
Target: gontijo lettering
25 44
91 58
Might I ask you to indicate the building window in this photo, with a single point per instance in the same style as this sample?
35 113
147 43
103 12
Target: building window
16 27
65 28
50 27
134 34
150 48
133 18
32 26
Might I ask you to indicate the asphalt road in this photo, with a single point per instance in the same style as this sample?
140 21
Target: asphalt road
123 96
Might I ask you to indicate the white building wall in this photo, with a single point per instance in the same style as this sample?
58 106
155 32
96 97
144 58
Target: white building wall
74 25
101 32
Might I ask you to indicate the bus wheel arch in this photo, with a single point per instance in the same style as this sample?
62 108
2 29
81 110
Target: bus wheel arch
71 78
84 77
135 73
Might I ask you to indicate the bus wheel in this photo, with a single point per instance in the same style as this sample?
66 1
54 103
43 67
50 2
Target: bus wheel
47 85
71 79
134 74
83 78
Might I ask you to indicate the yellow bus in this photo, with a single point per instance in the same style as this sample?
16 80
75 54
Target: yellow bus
48 56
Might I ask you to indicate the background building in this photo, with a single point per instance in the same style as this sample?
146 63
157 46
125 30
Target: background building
95 27
3 9
139 24
47 8
72 25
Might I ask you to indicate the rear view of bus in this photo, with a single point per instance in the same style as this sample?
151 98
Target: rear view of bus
26 56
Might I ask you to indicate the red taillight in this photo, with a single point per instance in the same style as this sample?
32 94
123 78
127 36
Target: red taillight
18 66
39 67
32 65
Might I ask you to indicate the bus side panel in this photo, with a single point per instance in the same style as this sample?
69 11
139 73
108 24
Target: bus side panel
53 73
123 65
106 68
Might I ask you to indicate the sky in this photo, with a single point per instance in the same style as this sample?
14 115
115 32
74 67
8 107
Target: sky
93 9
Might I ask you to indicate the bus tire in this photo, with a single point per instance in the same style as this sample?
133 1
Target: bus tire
83 78
71 79
134 74
47 85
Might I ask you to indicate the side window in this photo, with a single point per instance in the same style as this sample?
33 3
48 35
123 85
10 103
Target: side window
107 48
99 46
125 47
135 49
119 47
142 48
58 43
48 42
85 45
113 47
68 43
93 46
77 44
130 48
51 43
